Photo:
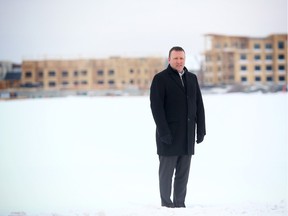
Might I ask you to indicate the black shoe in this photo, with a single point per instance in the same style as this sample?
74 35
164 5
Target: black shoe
180 206
170 205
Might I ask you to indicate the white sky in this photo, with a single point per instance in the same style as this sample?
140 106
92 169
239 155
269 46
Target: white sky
93 28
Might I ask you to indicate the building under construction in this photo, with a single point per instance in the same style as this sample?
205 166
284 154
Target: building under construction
245 60
115 73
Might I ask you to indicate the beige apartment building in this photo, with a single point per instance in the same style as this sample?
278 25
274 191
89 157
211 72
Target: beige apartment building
245 60
91 74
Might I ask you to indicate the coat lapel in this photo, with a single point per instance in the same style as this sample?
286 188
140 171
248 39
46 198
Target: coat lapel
176 78
188 83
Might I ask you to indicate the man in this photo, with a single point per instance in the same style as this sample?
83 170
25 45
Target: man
177 109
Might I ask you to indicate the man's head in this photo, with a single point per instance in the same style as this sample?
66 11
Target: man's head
176 58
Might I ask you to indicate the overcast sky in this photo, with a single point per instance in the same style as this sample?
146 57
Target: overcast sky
93 28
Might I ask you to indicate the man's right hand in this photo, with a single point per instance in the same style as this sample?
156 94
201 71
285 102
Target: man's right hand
166 139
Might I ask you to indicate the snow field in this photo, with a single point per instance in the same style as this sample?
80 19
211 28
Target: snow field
97 156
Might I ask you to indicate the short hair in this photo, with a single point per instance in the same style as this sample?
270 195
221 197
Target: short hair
176 48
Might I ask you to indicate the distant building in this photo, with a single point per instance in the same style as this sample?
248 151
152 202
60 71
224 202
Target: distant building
5 66
91 74
245 60
10 75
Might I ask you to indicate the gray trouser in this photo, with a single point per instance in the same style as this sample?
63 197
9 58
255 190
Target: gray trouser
181 165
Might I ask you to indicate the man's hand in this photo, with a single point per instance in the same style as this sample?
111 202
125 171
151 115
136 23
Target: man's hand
199 139
166 139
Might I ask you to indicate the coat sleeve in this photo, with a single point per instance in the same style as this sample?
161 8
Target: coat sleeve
200 114
157 103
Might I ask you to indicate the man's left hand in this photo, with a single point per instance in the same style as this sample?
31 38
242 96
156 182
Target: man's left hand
199 139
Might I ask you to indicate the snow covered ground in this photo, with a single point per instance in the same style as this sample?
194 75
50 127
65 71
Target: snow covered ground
96 156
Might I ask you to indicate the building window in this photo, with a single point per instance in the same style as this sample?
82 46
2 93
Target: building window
243 79
257 57
76 83
281 45
243 45
243 57
28 74
131 81
235 44
64 74
64 83
83 72
268 46
281 57
281 78
75 73
83 82
257 79
52 84
111 82
268 67
257 68
269 79
256 46
100 72
28 84
131 71
100 82
243 67
52 73
281 67
111 72
269 57
40 74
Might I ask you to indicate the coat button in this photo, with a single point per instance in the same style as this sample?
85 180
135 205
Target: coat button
188 119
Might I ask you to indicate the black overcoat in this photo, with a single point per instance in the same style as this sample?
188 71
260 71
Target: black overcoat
177 111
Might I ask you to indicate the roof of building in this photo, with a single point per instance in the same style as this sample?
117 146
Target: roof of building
12 76
244 37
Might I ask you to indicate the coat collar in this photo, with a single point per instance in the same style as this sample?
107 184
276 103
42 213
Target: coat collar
175 76
175 71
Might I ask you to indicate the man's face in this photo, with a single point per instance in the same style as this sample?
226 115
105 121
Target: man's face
177 60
